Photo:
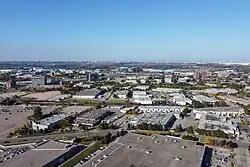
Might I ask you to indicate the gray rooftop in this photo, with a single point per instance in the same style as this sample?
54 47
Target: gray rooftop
53 119
163 153
37 157
89 92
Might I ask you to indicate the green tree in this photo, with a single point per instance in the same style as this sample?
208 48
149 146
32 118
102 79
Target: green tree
181 115
178 128
64 123
186 110
129 126
38 114
130 94
190 129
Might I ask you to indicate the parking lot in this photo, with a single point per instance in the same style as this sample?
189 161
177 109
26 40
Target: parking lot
12 117
43 95
221 157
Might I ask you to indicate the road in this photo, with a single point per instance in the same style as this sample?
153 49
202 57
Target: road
12 141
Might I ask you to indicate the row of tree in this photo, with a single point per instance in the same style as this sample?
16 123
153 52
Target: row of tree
146 126
188 137
104 126
221 143
214 133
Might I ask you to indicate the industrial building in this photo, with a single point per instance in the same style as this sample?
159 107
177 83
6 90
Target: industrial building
219 111
180 99
205 99
133 150
88 94
45 154
38 81
213 122
91 118
166 90
163 109
50 122
92 77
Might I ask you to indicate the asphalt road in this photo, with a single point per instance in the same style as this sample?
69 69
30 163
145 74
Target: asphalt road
12 141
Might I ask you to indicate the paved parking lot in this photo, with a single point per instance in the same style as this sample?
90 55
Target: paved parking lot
12 117
221 157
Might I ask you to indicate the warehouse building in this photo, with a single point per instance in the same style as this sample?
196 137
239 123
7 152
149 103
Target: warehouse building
91 118
88 94
50 122
219 111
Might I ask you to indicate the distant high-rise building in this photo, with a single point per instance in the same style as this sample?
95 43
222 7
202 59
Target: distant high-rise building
93 77
196 74
200 75
203 75
12 80
38 80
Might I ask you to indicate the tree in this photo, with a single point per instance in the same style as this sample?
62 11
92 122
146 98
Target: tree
38 113
115 96
64 123
208 141
130 94
107 139
190 129
186 110
103 126
181 115
178 128
129 126
83 127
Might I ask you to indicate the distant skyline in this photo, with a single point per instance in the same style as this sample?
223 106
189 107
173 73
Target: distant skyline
125 30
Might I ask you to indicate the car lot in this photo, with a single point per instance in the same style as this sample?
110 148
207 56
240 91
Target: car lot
221 157
13 153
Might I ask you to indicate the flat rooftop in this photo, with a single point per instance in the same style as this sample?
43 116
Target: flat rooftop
90 117
89 92
132 149
75 109
220 109
37 157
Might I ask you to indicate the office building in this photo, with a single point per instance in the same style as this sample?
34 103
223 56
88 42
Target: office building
92 77
38 81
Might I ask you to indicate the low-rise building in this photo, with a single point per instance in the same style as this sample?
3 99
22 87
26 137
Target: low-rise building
122 94
213 122
50 122
146 100
160 109
91 118
166 120
138 94
38 80
166 90
205 99
219 111
141 87
88 94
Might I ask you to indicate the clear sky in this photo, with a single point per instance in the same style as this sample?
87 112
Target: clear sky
139 30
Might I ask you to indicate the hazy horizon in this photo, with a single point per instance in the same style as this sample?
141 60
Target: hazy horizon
132 30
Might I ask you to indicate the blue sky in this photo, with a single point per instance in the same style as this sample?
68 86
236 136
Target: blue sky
140 30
